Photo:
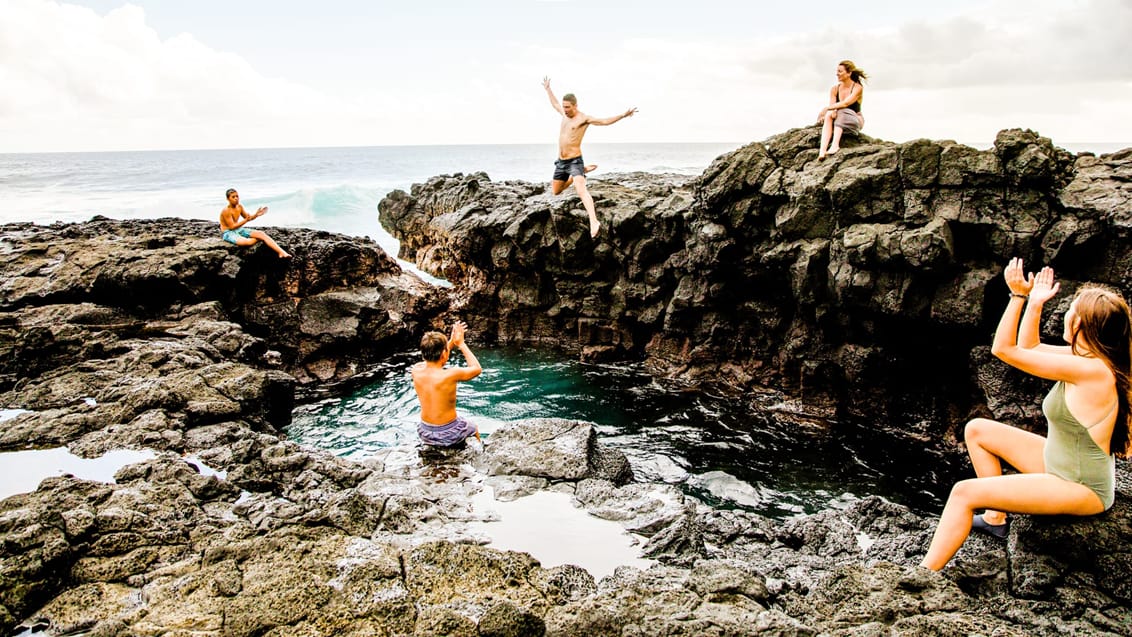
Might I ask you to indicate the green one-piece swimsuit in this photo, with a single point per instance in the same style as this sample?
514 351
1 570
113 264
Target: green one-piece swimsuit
1072 454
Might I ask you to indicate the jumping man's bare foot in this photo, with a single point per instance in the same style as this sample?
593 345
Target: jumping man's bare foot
591 168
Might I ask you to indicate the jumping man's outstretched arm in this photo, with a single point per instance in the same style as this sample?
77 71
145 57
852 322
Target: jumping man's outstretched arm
612 120
550 94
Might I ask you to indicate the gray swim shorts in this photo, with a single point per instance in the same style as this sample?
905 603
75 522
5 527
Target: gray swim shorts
567 168
447 435
848 119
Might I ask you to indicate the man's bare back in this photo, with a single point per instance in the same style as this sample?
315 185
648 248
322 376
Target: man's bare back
436 384
436 390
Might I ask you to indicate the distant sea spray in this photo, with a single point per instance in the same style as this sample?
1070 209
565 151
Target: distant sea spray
346 208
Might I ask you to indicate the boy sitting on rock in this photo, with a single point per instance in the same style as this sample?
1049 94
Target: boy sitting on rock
436 388
232 220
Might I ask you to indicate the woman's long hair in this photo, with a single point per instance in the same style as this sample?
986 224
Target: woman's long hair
1106 329
855 73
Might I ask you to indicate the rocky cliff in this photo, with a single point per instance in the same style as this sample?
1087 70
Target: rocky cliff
95 290
868 284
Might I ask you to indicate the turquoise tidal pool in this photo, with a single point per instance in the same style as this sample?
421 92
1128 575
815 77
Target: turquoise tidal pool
722 450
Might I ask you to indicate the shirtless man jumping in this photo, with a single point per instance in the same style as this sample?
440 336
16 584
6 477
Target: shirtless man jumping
232 220
569 168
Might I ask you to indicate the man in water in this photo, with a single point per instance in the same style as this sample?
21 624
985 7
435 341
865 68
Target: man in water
232 220
570 169
436 388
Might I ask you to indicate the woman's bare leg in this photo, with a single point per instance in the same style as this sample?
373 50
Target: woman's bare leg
989 442
826 130
1036 493
836 145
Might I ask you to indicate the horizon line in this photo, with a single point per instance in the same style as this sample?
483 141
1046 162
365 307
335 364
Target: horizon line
437 145
987 143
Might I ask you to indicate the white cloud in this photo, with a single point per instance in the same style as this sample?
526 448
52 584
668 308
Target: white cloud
1053 66
74 79
77 80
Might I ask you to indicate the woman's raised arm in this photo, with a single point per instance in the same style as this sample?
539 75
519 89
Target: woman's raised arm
1018 346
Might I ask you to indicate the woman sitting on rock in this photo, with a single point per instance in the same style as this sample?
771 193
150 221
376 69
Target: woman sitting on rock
1070 471
844 110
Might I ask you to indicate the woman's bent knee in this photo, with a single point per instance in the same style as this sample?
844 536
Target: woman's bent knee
962 492
974 429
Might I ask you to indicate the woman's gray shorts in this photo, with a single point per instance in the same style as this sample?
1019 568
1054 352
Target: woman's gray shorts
848 119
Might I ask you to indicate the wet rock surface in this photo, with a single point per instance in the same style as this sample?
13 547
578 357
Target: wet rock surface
153 335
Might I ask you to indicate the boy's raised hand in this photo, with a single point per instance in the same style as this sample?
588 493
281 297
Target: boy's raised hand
457 338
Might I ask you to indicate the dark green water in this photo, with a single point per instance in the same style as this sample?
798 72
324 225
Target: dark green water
716 448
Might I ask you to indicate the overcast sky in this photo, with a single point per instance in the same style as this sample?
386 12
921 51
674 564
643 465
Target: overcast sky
163 74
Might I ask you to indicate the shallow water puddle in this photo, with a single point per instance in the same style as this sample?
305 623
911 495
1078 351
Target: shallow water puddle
22 471
204 469
549 527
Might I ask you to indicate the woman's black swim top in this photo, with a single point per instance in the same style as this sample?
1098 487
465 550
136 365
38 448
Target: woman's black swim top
855 106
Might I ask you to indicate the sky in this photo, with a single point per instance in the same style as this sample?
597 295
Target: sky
94 75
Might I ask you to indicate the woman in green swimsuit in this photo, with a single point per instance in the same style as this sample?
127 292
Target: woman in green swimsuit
1070 471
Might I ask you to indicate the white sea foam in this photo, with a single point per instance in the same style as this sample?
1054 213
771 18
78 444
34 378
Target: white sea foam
727 487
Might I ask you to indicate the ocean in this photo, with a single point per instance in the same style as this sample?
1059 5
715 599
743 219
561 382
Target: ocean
333 189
